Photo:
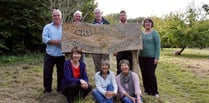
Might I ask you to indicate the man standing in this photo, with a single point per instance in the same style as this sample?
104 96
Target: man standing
77 16
99 20
52 36
123 54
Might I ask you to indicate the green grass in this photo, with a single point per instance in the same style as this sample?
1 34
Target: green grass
33 58
181 79
180 83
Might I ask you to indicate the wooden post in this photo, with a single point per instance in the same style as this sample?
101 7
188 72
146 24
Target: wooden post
136 68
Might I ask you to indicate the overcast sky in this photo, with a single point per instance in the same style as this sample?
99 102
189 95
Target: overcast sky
146 8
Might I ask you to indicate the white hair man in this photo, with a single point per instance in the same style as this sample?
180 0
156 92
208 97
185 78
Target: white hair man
77 16
100 21
52 36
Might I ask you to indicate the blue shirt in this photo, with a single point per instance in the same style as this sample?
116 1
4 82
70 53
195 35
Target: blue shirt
51 32
101 83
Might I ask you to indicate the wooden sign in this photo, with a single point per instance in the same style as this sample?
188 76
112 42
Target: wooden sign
101 39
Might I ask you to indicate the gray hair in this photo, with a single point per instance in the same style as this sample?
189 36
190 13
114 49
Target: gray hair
77 12
98 10
57 10
124 61
105 61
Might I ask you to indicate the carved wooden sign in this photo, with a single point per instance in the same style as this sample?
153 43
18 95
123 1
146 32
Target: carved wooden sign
101 39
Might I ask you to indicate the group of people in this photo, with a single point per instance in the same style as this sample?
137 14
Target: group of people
72 78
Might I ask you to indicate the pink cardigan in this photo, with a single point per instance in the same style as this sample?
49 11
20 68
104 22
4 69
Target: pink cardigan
122 91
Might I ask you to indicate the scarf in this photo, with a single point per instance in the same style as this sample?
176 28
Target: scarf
128 80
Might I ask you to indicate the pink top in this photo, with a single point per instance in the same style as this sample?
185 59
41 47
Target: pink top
136 86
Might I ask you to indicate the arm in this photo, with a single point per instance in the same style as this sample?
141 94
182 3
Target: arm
137 86
46 37
111 94
68 72
84 78
157 45
120 88
84 72
114 83
98 84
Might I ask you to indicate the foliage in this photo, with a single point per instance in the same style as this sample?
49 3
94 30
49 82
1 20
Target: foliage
68 7
113 18
22 21
206 8
173 29
21 24
136 20
186 29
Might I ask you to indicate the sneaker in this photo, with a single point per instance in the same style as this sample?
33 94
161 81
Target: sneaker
157 95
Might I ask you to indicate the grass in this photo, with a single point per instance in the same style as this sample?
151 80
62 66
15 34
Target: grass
181 79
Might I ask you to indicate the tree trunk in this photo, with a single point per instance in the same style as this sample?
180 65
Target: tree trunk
136 68
179 52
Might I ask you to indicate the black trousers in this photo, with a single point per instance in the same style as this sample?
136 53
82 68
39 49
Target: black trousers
49 62
74 90
124 55
148 68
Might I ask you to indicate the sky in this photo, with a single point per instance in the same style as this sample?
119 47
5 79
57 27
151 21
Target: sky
146 8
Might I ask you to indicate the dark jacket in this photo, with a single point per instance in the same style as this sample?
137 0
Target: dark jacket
68 74
103 20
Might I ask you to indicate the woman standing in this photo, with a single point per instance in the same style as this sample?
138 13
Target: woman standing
149 57
128 84
75 81
106 86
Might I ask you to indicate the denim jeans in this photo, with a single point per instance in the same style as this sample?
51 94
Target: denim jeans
101 98
125 99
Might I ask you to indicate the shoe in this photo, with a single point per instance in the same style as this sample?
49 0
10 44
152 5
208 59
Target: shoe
157 95
46 93
145 93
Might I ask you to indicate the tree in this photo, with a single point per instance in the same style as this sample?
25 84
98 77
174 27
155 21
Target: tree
21 21
136 20
68 7
174 31
188 29
113 18
206 8
21 27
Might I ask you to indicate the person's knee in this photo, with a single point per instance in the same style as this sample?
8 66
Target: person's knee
110 87
125 100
